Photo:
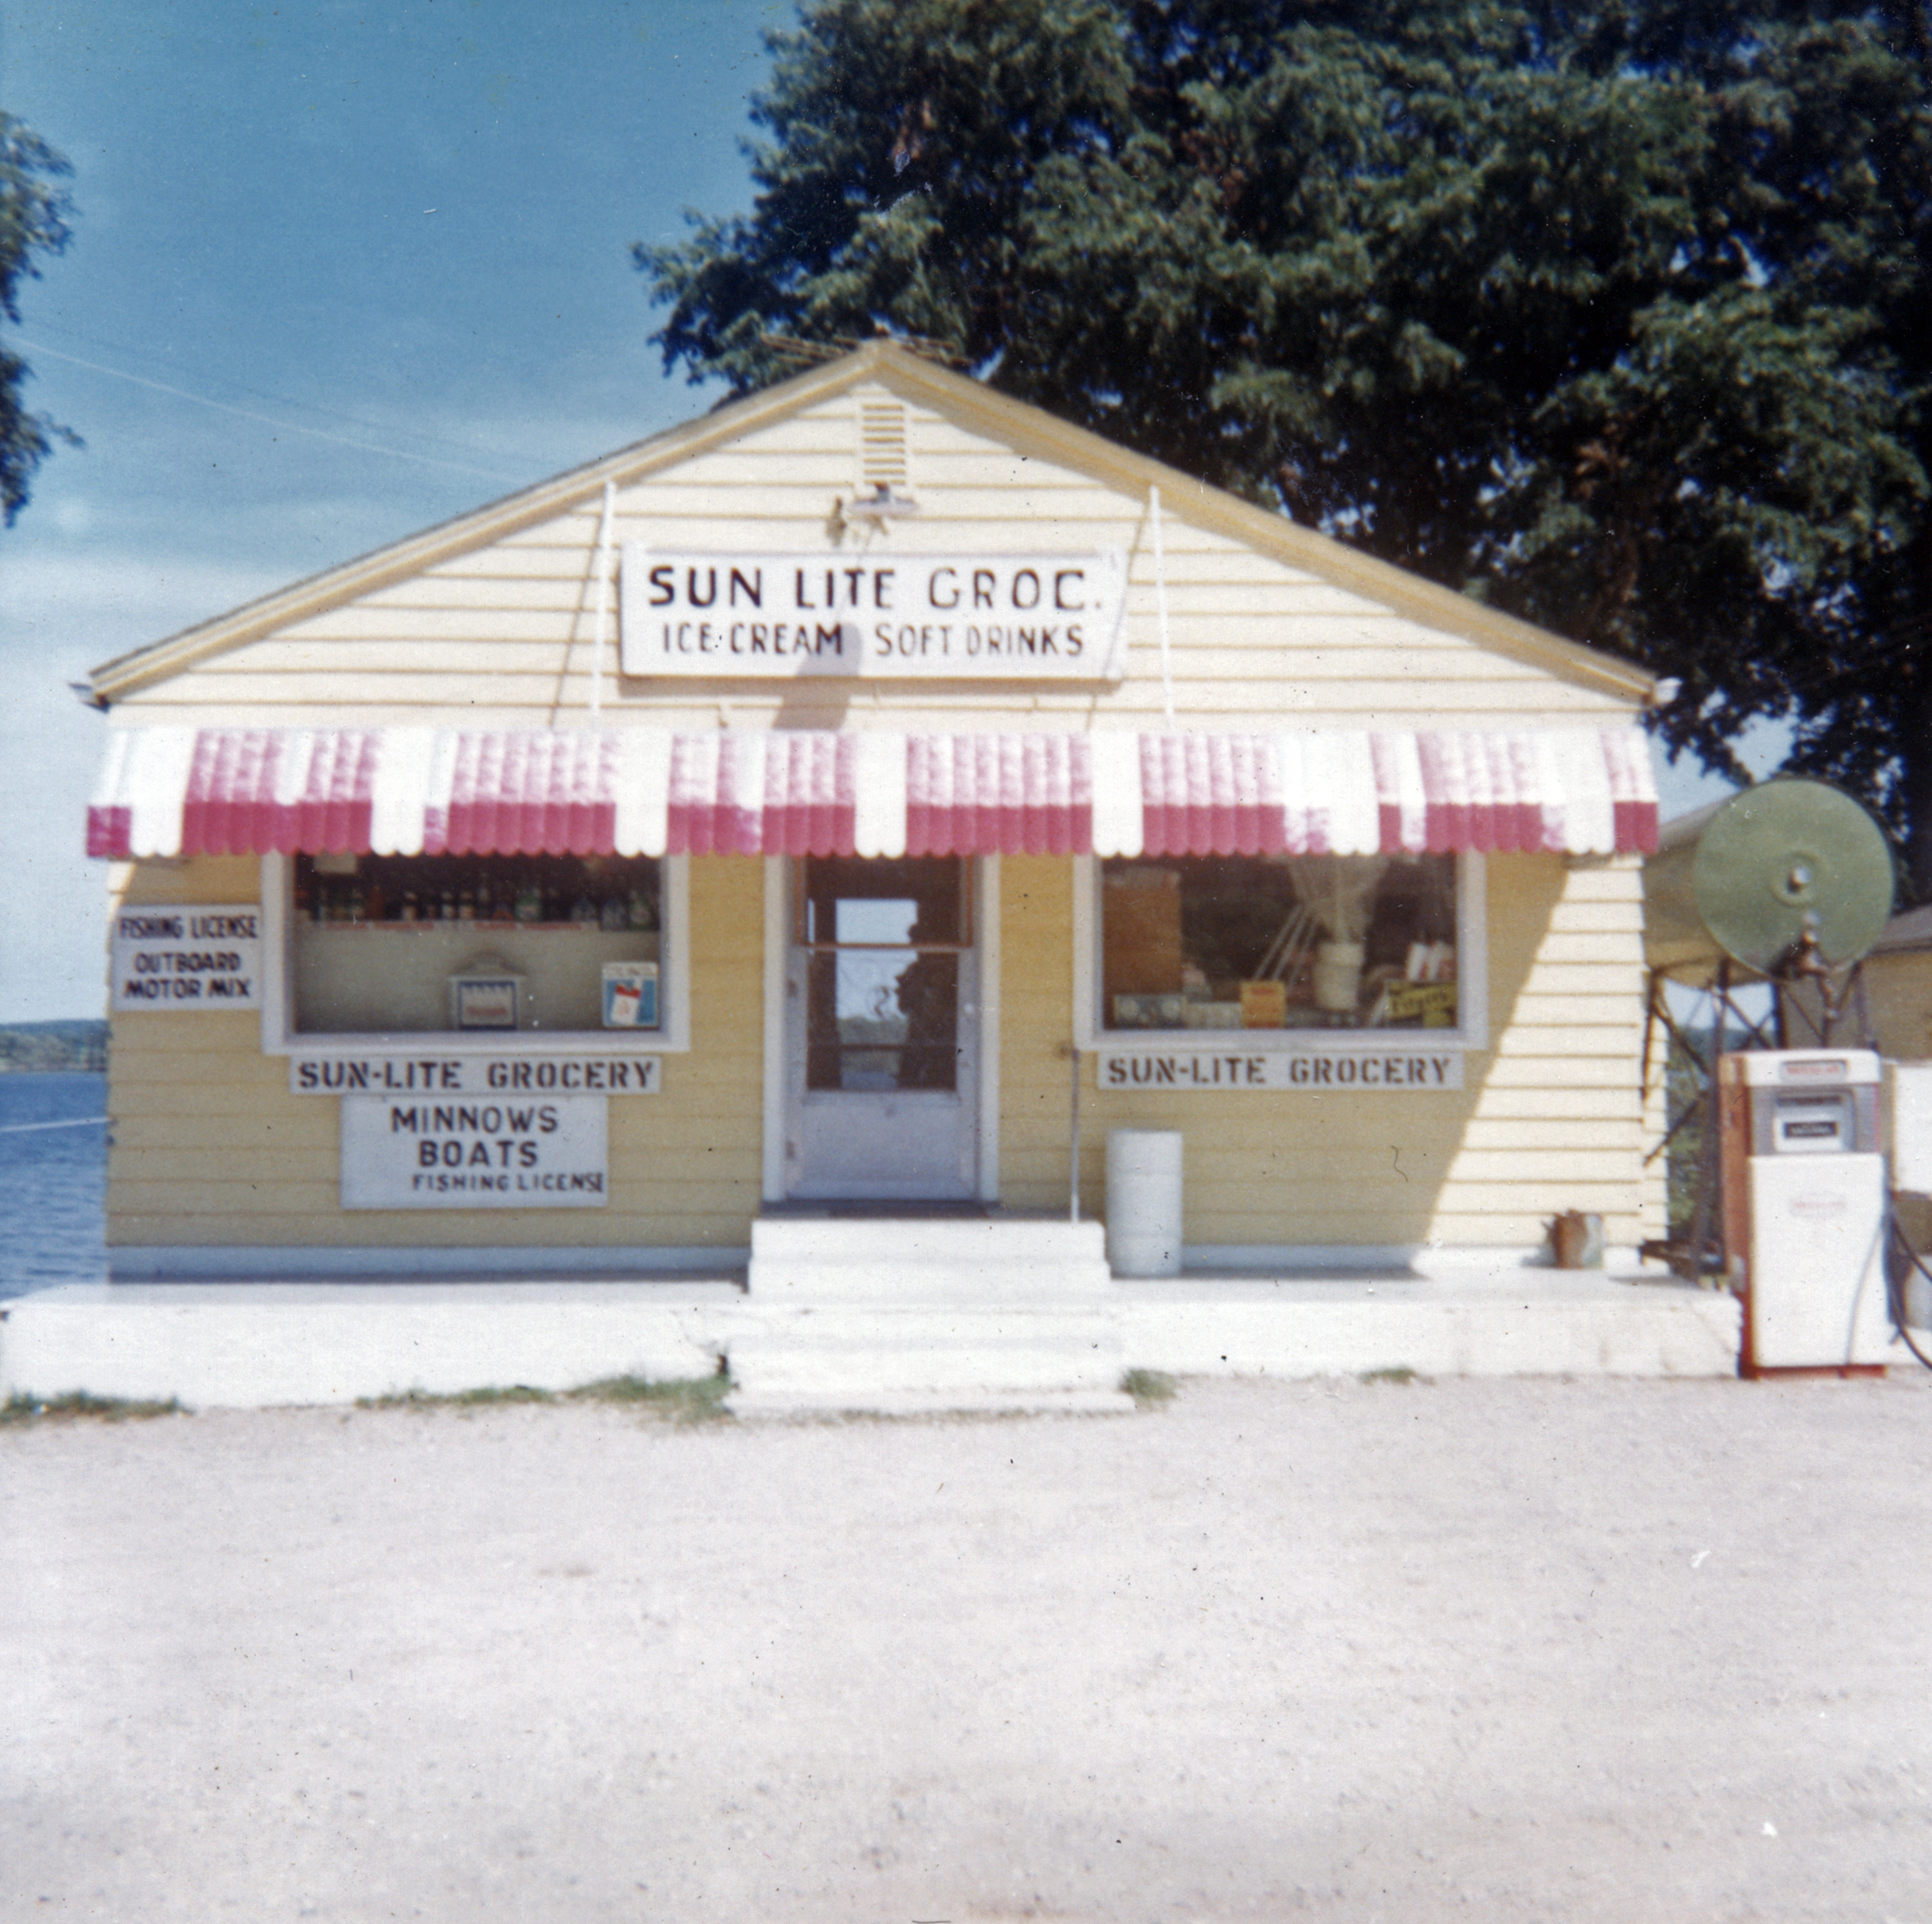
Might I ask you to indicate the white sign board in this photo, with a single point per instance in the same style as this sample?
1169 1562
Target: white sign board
473 1152
187 957
1316 1069
972 617
427 1073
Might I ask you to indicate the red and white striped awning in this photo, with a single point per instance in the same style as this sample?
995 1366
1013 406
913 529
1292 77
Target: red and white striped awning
171 791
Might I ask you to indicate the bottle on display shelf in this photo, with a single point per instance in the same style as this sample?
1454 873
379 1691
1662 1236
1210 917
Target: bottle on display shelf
615 915
407 912
642 914
446 904
584 910
466 903
530 900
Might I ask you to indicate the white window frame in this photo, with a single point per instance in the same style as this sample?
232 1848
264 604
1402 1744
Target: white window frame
279 1038
1472 1031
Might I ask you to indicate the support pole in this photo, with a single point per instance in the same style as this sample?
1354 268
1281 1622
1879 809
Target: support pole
1160 604
1707 1220
603 621
1073 1161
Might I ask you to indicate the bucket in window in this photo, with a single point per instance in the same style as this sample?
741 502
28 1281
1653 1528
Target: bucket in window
1338 976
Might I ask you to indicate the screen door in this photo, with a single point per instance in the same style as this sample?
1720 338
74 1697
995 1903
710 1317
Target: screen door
882 1012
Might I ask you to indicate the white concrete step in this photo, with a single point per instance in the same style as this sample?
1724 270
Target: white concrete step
851 1358
916 1259
1539 1323
931 1403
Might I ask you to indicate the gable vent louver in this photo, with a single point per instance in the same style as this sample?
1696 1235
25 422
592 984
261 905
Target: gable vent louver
882 462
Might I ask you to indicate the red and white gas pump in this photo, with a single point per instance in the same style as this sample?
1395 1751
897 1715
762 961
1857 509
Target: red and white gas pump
1804 1185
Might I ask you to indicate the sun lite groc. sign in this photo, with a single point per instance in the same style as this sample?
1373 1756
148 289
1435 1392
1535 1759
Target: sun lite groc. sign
877 615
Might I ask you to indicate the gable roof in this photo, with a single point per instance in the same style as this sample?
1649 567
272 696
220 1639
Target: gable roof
1028 429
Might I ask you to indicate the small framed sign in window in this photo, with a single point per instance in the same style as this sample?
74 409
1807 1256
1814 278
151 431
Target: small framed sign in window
485 999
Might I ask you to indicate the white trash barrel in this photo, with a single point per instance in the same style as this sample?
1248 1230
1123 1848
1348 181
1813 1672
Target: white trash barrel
1144 1202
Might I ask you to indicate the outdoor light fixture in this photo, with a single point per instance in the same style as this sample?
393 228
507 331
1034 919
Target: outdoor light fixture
884 503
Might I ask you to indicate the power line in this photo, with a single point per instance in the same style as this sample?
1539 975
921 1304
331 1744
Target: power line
248 414
243 387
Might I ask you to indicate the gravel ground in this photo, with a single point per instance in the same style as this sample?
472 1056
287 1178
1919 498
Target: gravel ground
1475 1649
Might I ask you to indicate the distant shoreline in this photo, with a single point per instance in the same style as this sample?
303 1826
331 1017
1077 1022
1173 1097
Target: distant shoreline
52 1048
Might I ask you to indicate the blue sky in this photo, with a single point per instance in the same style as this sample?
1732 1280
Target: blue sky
339 273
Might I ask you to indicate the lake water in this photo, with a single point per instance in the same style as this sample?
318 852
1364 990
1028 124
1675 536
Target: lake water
52 1181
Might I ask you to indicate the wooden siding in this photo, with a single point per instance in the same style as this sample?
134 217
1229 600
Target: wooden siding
1551 1118
1898 996
502 636
209 1147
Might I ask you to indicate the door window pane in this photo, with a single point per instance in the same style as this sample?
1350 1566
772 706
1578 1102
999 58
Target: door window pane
882 972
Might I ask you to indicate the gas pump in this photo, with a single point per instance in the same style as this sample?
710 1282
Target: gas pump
1790 884
1803 1174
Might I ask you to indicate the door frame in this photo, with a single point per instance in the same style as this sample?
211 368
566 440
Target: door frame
986 956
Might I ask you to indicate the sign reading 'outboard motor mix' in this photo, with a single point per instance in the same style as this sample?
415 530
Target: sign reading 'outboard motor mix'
169 956
978 617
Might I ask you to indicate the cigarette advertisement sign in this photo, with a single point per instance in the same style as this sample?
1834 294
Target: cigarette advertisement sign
475 1152
172 957
771 616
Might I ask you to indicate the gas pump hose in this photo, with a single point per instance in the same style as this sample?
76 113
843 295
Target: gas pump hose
1895 1280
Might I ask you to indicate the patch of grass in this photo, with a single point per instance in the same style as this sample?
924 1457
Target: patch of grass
682 1399
77 1404
1149 1386
685 1399
483 1399
1402 1373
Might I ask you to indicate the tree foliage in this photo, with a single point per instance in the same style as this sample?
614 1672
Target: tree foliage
1614 313
34 213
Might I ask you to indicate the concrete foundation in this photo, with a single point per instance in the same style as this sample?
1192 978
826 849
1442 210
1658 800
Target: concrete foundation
872 1315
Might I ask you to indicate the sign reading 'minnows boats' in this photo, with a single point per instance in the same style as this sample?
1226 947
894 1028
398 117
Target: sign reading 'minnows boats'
976 618
512 1151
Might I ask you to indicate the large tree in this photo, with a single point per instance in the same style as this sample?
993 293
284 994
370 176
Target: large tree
33 222
1615 314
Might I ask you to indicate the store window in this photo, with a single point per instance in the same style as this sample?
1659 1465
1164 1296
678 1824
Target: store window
1282 942
482 946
